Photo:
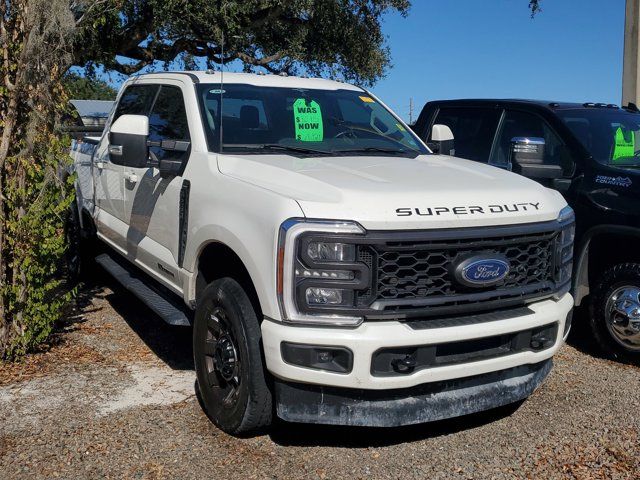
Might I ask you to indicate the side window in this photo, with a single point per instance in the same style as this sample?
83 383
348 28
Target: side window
136 100
168 121
524 124
473 130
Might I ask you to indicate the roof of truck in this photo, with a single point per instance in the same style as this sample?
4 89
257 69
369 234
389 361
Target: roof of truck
264 80
549 104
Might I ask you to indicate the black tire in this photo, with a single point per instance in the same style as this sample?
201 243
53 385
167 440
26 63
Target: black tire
228 359
78 257
613 331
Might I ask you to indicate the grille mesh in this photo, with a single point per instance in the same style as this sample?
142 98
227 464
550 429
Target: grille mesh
423 270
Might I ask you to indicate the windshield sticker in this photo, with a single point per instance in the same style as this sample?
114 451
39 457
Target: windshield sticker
366 99
400 127
617 181
624 144
217 91
308 121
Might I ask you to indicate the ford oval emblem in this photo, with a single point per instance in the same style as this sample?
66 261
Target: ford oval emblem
482 271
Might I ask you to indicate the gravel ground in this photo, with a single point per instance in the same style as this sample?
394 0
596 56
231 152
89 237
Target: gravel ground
113 397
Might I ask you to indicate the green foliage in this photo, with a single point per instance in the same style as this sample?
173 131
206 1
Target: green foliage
36 297
340 38
87 88
34 193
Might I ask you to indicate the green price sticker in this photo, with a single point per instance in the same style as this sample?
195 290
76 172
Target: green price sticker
624 145
308 121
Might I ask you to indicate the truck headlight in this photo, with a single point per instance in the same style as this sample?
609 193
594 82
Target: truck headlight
331 252
564 249
318 272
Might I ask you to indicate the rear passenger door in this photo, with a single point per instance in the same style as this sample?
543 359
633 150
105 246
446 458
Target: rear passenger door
473 128
152 201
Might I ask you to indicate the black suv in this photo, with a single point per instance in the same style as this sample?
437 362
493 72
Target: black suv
591 154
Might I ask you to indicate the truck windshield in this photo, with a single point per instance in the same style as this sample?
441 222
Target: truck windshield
302 121
612 136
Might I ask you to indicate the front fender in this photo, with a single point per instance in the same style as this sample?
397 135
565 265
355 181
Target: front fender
246 219
581 272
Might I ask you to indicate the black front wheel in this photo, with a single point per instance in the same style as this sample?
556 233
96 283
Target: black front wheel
615 318
229 365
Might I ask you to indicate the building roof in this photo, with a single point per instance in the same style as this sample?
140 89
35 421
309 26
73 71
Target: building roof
93 108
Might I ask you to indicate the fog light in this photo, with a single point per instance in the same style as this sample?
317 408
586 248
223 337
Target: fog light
544 337
332 359
324 296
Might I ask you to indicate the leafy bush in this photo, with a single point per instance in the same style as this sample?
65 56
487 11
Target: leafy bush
34 196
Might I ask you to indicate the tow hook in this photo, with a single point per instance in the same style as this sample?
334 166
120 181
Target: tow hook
404 365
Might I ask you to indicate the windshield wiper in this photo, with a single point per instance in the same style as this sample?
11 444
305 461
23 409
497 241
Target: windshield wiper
278 146
375 149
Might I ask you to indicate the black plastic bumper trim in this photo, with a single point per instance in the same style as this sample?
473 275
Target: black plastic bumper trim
302 403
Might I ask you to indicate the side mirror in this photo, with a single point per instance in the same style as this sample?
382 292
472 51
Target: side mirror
527 158
442 140
128 140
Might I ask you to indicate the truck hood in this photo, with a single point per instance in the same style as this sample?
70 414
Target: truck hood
381 193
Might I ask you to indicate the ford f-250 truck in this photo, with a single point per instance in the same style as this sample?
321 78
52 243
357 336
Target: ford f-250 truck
333 269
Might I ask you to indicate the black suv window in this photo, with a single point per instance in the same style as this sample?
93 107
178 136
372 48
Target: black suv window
168 121
524 124
136 100
473 130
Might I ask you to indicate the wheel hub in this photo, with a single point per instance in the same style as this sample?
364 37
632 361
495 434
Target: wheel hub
623 316
224 357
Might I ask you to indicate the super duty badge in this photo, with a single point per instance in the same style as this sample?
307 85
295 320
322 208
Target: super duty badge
467 209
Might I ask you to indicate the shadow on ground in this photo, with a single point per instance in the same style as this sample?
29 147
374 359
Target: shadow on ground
169 343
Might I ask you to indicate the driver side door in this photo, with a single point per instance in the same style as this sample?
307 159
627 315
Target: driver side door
152 200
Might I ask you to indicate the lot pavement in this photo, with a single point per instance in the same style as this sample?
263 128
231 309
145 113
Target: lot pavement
114 397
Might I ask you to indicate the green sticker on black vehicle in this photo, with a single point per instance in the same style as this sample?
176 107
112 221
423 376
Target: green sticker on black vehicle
308 120
624 146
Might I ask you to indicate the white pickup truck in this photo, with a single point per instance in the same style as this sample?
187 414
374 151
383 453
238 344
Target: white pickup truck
333 269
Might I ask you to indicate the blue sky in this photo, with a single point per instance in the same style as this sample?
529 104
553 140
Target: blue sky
571 51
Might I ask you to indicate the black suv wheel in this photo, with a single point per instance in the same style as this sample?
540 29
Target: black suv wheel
615 317
229 366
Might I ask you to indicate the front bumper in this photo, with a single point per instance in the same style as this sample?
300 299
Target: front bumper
372 336
304 403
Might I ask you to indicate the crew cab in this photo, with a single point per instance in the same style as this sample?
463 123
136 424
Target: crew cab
334 270
591 154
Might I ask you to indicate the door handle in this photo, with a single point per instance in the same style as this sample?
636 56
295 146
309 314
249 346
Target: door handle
131 177
115 150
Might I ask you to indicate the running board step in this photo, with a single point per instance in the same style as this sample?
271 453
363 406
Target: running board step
142 288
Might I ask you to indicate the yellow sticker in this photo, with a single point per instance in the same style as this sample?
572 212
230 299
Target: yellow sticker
400 127
367 99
